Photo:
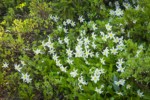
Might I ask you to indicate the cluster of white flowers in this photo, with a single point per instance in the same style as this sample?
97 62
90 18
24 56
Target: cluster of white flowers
50 45
69 22
86 47
117 12
18 68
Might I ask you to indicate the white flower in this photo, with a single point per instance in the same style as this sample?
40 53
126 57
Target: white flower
78 48
99 90
63 69
139 93
17 67
81 80
44 44
80 42
119 93
23 63
120 82
50 45
87 53
116 3
66 40
51 51
81 19
69 61
93 36
69 52
73 24
79 54
134 21
97 54
86 41
60 41
141 47
55 18
101 33
50 16
95 78
55 57
105 52
120 46
118 12
114 51
120 62
93 45
80 86
102 71
82 32
115 39
5 65
26 78
137 53
121 40
108 27
105 37
86 46
102 86
97 72
120 69
128 86
102 61
112 12
94 27
68 21
64 23
91 54
59 28
111 35
74 73
126 5
37 51
117 83
58 63
65 30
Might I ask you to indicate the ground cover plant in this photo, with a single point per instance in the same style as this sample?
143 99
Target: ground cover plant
75 49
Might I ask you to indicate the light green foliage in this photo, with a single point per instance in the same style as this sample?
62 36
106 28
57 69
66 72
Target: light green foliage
25 26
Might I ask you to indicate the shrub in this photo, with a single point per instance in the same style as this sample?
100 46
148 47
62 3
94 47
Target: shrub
88 51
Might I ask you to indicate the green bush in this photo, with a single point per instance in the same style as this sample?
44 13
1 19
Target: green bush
75 49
